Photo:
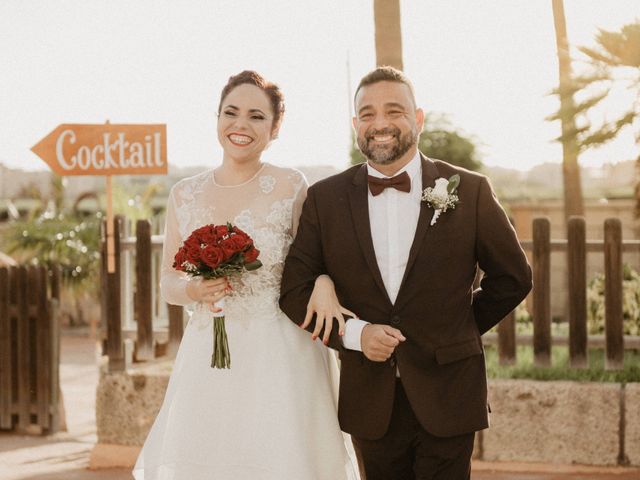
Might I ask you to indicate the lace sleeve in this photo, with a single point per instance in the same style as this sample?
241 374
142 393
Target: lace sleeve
173 284
298 200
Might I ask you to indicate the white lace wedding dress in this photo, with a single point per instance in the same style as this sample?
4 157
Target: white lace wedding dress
273 415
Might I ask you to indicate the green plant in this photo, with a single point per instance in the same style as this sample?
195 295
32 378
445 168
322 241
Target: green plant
630 302
67 240
134 202
560 368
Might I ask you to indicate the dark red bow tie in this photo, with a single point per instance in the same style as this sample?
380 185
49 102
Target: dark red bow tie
400 182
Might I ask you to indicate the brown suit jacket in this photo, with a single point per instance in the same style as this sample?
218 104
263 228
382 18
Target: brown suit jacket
442 361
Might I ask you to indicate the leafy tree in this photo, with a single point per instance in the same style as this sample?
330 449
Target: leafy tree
355 154
615 63
441 140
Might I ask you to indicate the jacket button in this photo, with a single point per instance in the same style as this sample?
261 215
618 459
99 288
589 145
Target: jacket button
395 320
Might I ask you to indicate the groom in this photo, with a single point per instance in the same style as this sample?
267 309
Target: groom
413 386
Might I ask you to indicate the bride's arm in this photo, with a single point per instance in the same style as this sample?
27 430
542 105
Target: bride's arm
324 304
173 284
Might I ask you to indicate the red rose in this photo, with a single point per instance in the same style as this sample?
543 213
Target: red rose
228 248
192 244
212 256
179 259
241 242
251 255
193 253
192 241
204 235
221 231
199 233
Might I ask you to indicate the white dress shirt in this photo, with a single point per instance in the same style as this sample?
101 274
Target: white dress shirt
393 219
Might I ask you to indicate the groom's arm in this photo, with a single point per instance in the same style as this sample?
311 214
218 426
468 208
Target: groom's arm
507 275
303 265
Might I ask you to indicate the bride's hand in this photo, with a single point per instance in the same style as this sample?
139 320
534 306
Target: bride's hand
325 304
208 291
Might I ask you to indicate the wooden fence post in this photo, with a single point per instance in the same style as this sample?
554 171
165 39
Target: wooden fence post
143 307
176 327
542 292
506 333
115 347
614 329
127 273
507 340
43 347
23 370
55 282
58 417
577 263
6 277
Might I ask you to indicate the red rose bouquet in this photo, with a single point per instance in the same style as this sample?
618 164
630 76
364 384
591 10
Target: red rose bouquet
215 251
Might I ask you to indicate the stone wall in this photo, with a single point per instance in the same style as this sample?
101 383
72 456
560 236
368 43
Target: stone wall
549 422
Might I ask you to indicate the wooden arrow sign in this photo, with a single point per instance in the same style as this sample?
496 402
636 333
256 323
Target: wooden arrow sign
105 149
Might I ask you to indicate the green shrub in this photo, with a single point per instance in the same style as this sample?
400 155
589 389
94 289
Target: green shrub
630 302
67 240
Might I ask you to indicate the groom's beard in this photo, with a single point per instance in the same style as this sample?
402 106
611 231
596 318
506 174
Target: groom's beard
387 154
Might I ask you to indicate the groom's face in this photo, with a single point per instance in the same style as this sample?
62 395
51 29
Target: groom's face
387 122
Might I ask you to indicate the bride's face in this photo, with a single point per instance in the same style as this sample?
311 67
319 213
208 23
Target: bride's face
245 123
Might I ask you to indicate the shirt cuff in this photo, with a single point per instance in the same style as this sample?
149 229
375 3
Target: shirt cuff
352 333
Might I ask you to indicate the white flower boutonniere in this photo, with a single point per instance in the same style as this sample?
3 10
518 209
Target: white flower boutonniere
442 196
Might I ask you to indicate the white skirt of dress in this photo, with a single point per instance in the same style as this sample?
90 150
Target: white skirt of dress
272 416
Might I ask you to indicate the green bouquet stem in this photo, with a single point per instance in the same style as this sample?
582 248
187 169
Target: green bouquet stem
221 357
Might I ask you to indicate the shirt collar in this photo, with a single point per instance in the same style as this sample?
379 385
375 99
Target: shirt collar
412 168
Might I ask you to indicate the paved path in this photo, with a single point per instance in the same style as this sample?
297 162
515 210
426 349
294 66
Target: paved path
65 456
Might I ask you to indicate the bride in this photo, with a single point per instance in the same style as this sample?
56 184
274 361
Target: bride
273 415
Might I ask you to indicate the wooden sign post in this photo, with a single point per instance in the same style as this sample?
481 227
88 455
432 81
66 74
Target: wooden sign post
105 149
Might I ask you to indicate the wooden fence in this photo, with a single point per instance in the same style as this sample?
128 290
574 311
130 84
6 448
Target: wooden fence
576 247
29 350
140 327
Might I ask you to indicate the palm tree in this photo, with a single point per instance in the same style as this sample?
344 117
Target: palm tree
573 203
615 63
388 33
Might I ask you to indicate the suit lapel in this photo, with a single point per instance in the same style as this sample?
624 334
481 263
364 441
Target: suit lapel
429 175
358 198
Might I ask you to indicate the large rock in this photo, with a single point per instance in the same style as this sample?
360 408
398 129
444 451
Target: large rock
632 422
554 422
127 403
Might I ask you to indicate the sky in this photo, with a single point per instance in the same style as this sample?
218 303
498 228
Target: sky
488 66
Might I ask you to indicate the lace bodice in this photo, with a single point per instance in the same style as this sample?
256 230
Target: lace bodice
267 207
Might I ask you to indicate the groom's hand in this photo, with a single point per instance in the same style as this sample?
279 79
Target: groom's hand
379 341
